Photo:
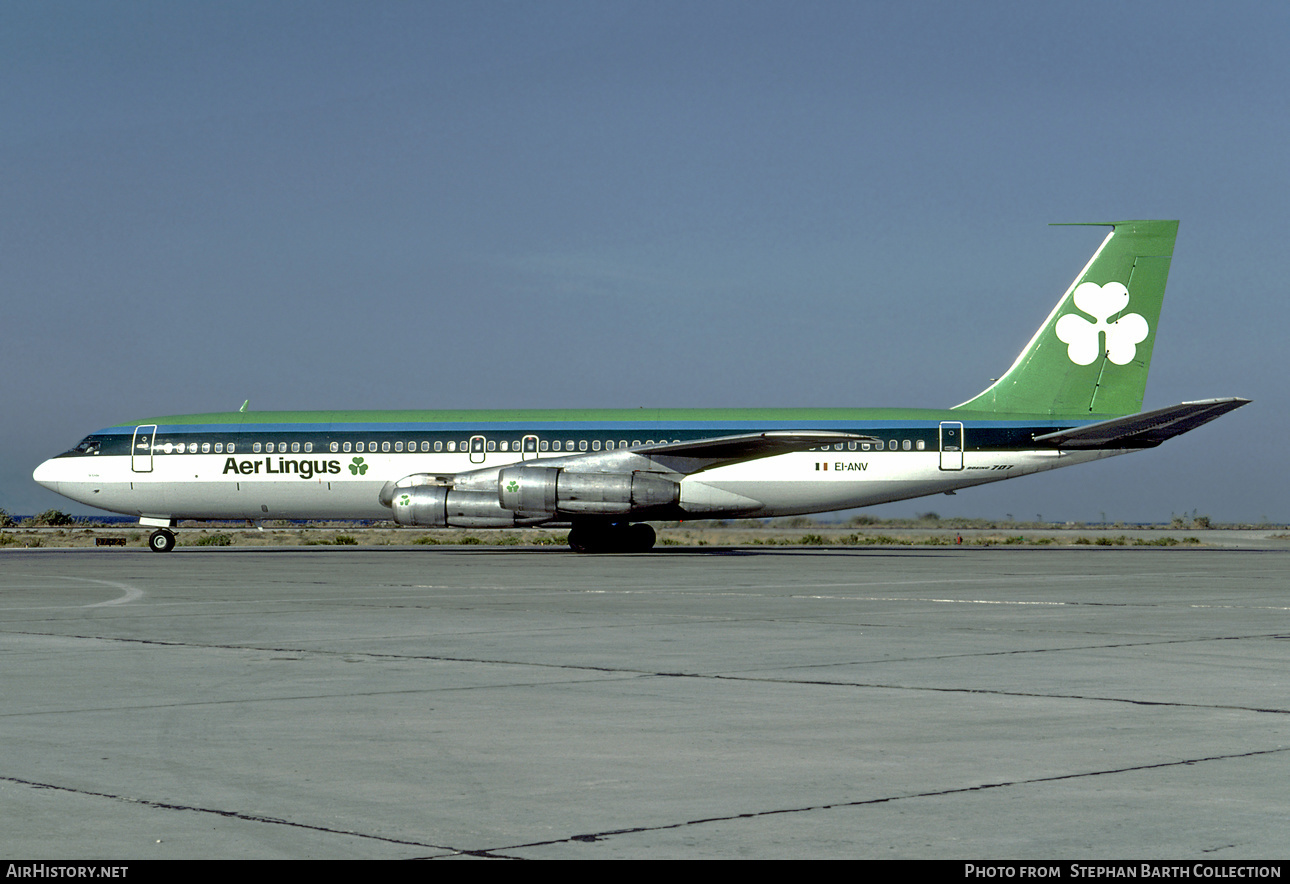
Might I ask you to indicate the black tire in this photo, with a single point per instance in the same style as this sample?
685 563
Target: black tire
576 542
586 539
162 540
616 538
640 537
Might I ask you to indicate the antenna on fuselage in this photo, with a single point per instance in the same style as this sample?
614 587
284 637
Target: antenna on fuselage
242 410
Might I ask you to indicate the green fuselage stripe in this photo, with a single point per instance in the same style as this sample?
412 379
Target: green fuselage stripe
633 427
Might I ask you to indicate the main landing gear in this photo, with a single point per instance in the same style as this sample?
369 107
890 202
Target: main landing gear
611 537
161 540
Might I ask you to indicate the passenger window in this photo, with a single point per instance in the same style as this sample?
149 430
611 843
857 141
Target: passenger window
398 446
295 447
595 445
219 447
542 445
452 446
492 445
206 448
425 446
334 448
582 445
385 446
360 447
905 445
256 447
231 449
892 444
347 447
920 444
309 446
555 446
438 446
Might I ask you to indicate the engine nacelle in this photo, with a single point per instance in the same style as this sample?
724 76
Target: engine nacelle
439 506
551 490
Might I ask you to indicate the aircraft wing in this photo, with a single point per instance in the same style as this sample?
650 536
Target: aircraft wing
696 455
722 450
1146 429
677 458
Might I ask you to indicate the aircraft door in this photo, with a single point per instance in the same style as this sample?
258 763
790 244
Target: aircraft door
951 445
476 449
141 448
529 448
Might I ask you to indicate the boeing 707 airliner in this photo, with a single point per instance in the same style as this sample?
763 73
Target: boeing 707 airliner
1073 395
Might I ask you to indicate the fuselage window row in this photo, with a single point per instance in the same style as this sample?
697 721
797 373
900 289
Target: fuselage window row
480 444
890 445
194 447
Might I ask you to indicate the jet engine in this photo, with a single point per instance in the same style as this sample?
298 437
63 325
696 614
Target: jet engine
440 506
527 489
524 496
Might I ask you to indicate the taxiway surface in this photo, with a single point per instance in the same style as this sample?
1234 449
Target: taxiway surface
429 702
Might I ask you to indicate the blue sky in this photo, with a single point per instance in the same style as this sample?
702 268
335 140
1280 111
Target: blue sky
603 204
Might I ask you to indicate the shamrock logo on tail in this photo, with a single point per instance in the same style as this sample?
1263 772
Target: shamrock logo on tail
1084 338
358 468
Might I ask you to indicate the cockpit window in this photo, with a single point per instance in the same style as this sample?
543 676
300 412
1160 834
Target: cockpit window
89 445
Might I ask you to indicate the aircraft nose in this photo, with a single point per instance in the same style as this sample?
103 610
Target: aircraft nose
48 474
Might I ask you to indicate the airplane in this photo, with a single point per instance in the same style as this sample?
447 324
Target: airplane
1073 395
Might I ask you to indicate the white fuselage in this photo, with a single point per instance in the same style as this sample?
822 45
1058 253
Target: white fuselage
277 486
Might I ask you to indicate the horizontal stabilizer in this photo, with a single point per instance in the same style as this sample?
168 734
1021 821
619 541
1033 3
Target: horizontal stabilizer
1144 430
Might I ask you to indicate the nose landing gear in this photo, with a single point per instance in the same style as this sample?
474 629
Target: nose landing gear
162 540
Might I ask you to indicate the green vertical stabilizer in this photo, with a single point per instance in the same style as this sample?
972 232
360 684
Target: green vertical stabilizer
1092 353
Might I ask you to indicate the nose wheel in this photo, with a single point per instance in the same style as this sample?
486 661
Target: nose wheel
161 540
